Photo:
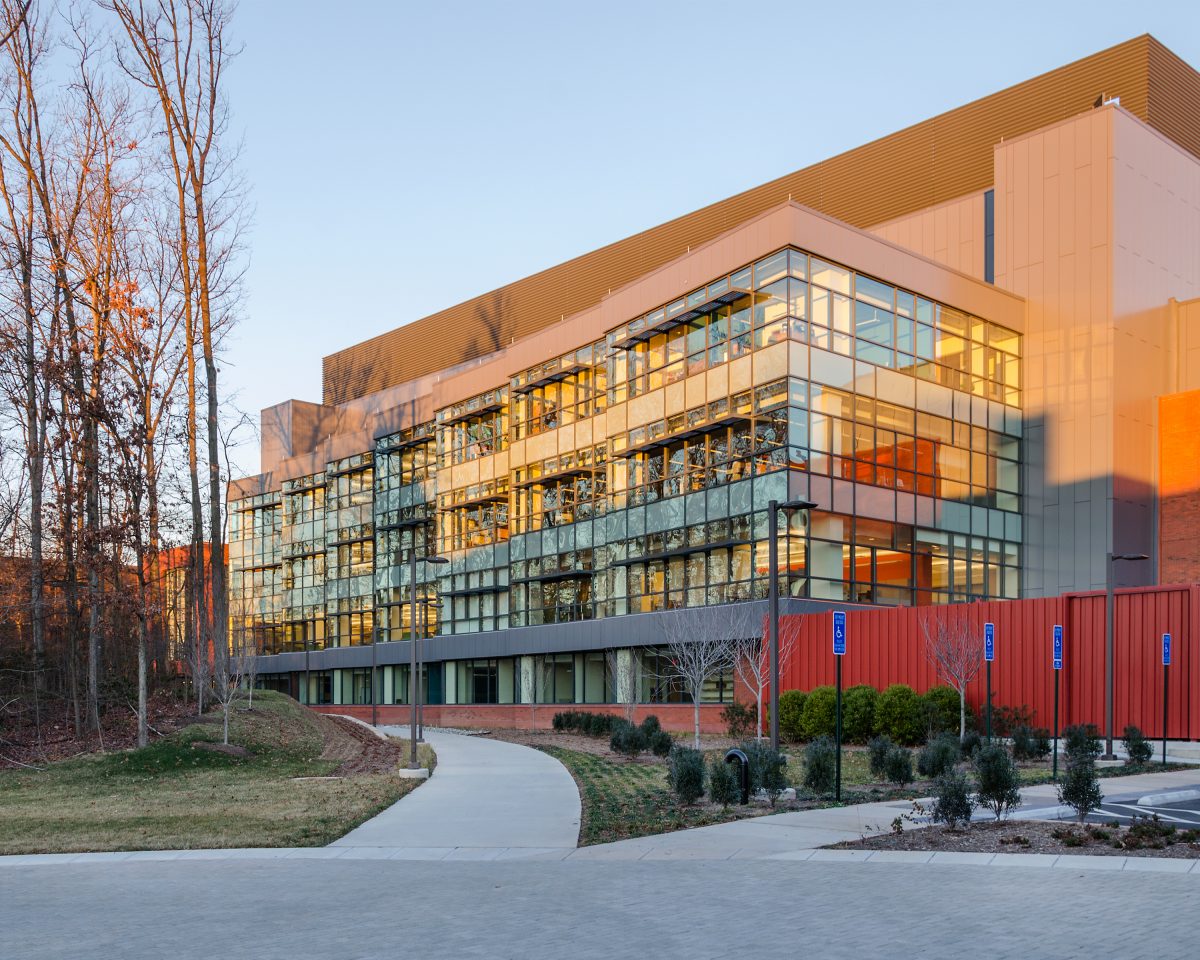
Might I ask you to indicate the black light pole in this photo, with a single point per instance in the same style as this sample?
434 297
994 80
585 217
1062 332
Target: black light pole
425 607
1108 648
412 650
773 509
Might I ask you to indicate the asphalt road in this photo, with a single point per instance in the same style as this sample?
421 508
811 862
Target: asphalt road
266 909
1184 815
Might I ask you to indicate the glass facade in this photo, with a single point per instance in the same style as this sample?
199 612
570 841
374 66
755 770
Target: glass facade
633 474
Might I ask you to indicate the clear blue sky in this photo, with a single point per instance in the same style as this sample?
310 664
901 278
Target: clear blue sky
406 156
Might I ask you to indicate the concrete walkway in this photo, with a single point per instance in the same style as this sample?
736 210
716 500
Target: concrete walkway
798 834
487 799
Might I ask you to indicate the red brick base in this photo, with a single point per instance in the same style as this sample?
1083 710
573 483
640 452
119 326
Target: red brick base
676 717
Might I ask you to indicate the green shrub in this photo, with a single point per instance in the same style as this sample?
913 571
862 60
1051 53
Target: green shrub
898 767
1081 741
941 709
685 774
723 783
1080 787
767 768
898 714
877 751
1006 719
739 719
952 801
1030 743
858 712
791 714
970 744
628 740
1137 748
938 757
650 725
998 781
818 718
660 743
820 760
585 722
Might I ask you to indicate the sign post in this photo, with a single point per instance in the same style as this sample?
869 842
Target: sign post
839 651
1058 661
1166 660
989 654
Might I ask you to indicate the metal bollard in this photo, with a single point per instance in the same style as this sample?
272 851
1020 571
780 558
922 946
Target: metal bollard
739 757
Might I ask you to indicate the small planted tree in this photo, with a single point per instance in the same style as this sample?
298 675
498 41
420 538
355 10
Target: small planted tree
723 785
898 766
878 749
1138 750
685 773
752 664
952 802
701 644
820 758
767 769
998 780
1080 787
938 757
956 653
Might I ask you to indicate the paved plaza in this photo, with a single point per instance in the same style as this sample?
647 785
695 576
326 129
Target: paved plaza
297 909
481 862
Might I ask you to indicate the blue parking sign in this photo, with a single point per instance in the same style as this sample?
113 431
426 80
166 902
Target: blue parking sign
989 641
1058 635
1166 649
839 633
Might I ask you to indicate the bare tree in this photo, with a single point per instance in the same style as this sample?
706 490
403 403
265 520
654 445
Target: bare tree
701 643
623 671
752 665
178 50
228 687
956 653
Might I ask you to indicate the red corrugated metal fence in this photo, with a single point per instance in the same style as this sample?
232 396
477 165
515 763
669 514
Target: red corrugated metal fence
887 645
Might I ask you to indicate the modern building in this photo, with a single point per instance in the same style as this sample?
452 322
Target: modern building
974 344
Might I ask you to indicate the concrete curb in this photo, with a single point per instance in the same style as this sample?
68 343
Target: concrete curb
1177 866
1171 796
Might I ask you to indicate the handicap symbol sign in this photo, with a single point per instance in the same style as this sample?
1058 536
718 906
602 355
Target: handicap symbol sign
839 633
1058 651
989 641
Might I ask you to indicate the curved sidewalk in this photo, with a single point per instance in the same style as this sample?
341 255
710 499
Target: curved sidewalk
487 799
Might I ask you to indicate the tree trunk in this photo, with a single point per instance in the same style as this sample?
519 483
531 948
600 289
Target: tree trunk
758 728
962 716
696 718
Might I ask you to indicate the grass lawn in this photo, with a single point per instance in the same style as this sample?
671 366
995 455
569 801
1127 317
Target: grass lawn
173 795
621 799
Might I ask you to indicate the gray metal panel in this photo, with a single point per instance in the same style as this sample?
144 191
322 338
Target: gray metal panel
635 630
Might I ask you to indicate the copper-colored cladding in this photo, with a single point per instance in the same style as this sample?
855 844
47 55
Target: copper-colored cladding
934 161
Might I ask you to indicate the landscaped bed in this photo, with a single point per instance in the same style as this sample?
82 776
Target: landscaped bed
293 778
625 797
1146 838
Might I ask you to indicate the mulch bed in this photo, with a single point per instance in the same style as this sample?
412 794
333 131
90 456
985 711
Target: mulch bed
1149 839
359 749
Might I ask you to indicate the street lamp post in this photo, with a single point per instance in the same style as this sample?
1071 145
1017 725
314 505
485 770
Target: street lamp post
1108 648
773 509
412 649
426 606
